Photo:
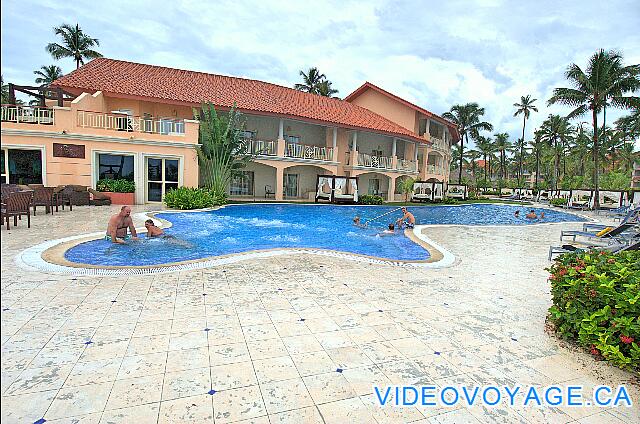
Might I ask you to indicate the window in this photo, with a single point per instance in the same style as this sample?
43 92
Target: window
242 185
291 185
248 135
423 127
162 176
22 166
292 138
115 167
376 153
374 186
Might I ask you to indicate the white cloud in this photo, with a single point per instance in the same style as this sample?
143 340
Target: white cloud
435 54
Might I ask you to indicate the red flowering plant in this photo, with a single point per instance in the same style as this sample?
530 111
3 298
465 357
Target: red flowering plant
596 303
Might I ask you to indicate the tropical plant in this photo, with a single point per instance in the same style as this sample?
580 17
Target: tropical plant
74 44
595 303
315 82
604 82
467 120
502 145
370 199
221 150
537 145
116 186
524 108
324 89
47 74
486 149
5 91
193 198
554 131
406 187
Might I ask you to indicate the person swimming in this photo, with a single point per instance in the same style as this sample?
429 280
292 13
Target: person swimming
119 227
357 223
407 220
531 215
517 214
391 230
152 229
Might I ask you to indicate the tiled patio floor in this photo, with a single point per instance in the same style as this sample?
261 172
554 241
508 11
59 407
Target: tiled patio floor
299 339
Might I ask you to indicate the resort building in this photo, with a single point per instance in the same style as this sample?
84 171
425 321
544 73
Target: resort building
117 119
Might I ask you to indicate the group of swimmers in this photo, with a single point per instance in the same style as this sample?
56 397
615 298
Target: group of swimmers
406 221
531 215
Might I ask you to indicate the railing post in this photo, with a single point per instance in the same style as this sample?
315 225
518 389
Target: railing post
394 162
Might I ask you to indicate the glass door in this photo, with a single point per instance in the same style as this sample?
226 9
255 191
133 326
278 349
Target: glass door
3 167
374 186
162 176
22 166
291 185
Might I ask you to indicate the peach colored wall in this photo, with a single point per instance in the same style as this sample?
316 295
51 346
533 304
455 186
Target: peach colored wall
140 107
387 107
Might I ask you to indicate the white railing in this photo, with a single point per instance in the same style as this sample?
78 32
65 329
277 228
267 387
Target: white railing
27 114
370 161
438 144
433 169
406 165
304 151
124 122
259 147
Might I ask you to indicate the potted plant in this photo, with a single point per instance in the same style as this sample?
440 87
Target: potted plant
121 192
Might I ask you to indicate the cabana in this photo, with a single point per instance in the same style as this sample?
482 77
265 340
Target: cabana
438 190
457 191
526 194
422 191
324 188
580 199
610 199
634 199
506 191
345 189
337 189
544 196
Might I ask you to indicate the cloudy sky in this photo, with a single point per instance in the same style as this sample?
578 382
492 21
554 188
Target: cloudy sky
433 53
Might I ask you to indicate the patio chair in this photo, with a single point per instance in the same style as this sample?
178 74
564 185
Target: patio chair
17 204
43 196
60 198
268 192
634 244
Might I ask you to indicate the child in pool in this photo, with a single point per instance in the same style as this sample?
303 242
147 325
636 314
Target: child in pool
152 229
390 231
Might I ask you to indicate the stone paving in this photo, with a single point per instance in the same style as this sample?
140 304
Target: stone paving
297 339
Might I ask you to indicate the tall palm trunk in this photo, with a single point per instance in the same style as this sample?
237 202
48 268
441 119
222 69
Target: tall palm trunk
524 124
537 166
596 200
461 156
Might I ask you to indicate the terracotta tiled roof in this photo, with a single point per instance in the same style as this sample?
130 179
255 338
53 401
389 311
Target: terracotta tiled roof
367 85
157 83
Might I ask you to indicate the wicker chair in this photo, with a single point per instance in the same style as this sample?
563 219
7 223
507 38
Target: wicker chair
43 196
17 204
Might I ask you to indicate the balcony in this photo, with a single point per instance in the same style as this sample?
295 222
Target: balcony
27 114
129 123
259 147
305 151
439 144
407 165
369 161
435 169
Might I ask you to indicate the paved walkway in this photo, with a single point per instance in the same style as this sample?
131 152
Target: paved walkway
299 339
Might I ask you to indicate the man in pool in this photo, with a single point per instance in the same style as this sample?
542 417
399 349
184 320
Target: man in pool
407 220
531 215
118 226
390 231
517 214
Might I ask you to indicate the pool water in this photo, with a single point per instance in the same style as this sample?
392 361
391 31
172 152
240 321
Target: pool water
242 228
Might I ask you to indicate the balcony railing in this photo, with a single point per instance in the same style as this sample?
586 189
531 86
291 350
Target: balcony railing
434 169
406 165
304 151
259 147
124 122
370 161
438 144
27 114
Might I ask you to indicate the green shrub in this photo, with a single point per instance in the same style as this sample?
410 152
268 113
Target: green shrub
449 201
116 186
192 198
596 302
370 199
559 201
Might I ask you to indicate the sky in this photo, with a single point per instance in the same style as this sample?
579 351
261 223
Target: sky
433 53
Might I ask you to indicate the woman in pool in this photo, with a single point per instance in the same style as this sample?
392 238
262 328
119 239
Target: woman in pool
357 223
389 231
152 229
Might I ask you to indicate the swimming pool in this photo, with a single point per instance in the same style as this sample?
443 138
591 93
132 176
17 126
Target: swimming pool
243 228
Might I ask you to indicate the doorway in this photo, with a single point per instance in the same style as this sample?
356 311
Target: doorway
162 175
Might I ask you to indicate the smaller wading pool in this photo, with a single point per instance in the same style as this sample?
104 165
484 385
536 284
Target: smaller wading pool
244 228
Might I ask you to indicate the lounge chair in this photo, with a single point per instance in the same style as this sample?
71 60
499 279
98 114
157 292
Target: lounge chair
99 198
341 190
580 199
16 205
599 234
613 248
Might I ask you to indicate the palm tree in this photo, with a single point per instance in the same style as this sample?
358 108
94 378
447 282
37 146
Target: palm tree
75 44
554 131
525 107
628 156
485 147
605 82
48 74
5 91
537 146
502 145
311 81
324 89
467 119
473 156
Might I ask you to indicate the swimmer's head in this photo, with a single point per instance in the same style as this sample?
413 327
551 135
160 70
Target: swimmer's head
356 219
392 227
149 223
